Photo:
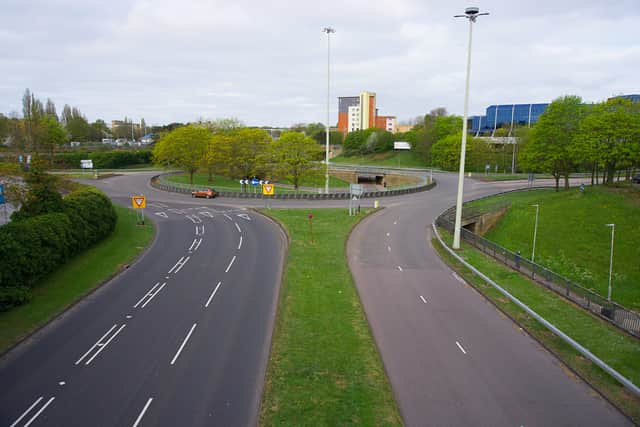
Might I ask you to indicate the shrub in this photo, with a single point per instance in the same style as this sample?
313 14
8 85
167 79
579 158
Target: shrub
103 159
11 297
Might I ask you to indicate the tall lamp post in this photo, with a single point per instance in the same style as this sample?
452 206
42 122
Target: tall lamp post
328 31
613 232
471 13
535 233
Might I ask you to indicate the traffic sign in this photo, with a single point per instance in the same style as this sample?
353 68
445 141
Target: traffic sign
139 202
255 181
268 189
86 164
2 194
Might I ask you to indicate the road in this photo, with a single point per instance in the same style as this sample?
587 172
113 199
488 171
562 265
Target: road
451 357
180 338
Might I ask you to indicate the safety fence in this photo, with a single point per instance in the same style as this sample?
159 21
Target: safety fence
620 316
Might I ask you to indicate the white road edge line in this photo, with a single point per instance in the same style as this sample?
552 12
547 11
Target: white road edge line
175 266
399 268
28 423
154 294
460 347
212 295
423 299
230 264
146 295
97 342
146 406
238 227
182 265
183 344
105 344
240 244
24 414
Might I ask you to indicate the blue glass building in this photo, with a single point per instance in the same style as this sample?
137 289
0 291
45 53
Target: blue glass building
633 97
506 116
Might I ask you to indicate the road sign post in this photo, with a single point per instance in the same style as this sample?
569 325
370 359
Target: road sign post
268 190
139 202
3 203
311 226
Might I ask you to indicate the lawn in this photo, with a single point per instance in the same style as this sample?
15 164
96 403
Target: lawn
76 278
389 158
324 368
614 347
572 238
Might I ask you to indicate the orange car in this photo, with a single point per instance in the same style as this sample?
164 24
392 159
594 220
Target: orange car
207 194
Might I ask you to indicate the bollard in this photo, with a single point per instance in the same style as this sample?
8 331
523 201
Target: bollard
376 204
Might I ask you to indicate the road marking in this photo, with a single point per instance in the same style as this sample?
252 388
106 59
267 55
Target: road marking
238 227
423 299
389 248
97 342
146 295
388 234
183 343
199 232
158 205
228 217
399 268
458 278
230 264
24 414
198 245
151 295
244 216
104 345
32 419
129 316
162 214
143 411
395 222
194 218
61 383
240 244
206 213
460 347
176 211
182 265
175 266
195 245
212 295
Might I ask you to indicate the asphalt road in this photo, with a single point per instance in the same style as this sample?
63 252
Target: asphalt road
451 357
180 338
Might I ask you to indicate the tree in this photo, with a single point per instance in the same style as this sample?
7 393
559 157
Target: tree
98 130
53 135
50 110
550 146
446 153
75 123
42 196
248 146
184 147
294 157
221 125
32 111
218 155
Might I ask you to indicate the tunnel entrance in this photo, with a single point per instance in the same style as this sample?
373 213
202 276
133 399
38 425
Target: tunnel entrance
370 179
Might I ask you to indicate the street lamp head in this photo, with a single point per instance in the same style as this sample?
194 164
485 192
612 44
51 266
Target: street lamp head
610 225
471 13
328 30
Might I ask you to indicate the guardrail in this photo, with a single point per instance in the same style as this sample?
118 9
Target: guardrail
611 311
160 184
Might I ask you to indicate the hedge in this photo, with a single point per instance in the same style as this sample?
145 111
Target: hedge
103 159
33 247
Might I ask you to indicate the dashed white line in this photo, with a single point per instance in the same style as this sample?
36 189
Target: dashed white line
240 244
153 295
28 423
395 222
198 245
228 217
176 265
146 295
423 299
96 344
24 414
146 406
103 346
389 248
460 347
238 227
182 265
183 344
458 278
230 264
399 268
388 234
195 245
212 295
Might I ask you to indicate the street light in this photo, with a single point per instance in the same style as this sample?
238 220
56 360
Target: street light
613 232
328 31
535 232
471 13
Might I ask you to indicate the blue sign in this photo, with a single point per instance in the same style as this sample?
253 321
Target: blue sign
20 158
255 181
1 194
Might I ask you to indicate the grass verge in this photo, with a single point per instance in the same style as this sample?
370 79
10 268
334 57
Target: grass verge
222 183
324 368
76 278
617 349
407 159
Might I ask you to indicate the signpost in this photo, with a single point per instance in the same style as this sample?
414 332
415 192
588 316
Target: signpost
139 202
355 191
268 190
311 225
3 202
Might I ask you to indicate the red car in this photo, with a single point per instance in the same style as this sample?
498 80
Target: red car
209 193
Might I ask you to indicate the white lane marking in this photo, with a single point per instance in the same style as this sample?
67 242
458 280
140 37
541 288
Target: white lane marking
182 265
206 213
103 346
193 244
388 234
142 412
175 266
61 383
238 227
202 231
96 344
153 295
423 299
460 347
389 248
162 214
183 344
240 244
399 268
199 232
24 414
230 264
395 222
212 295
176 211
244 216
458 278
158 205
198 245
228 217
129 316
146 295
194 219
28 423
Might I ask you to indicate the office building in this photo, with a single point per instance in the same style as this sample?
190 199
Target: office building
507 116
360 112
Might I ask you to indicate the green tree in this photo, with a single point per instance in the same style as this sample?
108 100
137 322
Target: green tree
75 123
221 125
218 155
98 130
32 111
550 148
246 156
294 157
446 153
53 135
184 148
42 195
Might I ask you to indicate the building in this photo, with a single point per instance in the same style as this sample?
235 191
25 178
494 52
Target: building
505 116
360 113
633 97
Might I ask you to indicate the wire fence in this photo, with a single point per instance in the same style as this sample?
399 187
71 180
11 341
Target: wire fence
611 311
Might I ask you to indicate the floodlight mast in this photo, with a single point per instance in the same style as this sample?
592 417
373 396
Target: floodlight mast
328 31
471 13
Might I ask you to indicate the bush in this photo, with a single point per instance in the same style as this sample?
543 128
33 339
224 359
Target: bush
11 297
103 159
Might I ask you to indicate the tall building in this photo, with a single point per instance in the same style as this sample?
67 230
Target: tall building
360 112
505 116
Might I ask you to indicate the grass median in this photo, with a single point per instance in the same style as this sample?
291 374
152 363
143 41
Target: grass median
324 368
614 347
76 278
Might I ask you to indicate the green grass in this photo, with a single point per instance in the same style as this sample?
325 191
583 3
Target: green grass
617 349
389 158
572 237
324 368
76 278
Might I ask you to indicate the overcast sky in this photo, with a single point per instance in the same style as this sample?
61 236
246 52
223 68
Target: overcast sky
265 62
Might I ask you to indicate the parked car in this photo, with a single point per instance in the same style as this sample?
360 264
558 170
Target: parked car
636 179
209 193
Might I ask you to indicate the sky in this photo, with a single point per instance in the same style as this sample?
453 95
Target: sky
265 62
